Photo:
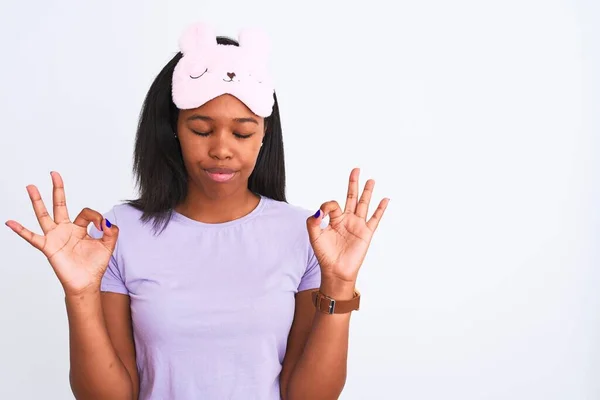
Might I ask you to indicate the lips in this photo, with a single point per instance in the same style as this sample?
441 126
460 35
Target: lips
220 170
220 174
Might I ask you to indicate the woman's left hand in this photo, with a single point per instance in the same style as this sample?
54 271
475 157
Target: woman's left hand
342 246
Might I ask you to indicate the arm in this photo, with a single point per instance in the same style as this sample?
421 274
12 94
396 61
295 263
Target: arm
316 360
318 364
102 360
100 344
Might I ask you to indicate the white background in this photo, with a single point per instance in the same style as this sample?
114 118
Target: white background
478 119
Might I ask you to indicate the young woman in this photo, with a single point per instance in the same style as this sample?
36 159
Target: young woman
209 285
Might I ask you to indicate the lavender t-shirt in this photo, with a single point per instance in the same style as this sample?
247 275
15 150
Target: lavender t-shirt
212 304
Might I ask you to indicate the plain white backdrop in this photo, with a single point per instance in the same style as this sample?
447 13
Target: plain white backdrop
475 117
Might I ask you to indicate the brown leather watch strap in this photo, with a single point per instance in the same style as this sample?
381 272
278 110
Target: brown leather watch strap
328 305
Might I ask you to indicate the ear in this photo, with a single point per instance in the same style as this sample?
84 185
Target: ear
255 41
199 37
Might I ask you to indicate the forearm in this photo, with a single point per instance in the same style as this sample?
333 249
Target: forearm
96 371
320 373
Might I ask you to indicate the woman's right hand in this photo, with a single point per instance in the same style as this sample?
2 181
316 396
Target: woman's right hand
78 260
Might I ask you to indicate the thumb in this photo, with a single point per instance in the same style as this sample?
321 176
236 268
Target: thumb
110 234
313 225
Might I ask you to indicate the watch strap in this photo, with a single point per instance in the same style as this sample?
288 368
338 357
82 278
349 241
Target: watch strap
328 305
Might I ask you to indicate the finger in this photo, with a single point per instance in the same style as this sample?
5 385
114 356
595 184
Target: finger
331 209
363 204
59 200
35 240
39 208
110 234
88 215
313 224
352 196
373 222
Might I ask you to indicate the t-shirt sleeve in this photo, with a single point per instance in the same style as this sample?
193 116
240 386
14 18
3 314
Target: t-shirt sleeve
112 281
312 276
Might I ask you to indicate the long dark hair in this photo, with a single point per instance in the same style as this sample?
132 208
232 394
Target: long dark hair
158 167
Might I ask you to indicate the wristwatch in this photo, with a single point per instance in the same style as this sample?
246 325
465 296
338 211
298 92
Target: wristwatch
327 305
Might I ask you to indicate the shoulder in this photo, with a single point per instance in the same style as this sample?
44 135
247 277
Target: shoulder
123 214
287 222
287 211
133 230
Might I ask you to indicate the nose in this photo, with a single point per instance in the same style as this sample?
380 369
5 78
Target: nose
231 75
220 148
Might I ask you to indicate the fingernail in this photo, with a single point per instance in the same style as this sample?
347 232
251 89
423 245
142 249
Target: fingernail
317 214
108 224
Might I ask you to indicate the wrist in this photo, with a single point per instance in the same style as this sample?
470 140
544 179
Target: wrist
337 289
83 306
80 296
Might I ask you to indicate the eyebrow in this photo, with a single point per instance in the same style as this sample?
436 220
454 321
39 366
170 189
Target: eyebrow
206 118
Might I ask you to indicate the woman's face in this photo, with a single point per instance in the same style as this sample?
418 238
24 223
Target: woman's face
220 142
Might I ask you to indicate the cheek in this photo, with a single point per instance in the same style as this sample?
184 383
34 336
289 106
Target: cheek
192 151
257 146
250 155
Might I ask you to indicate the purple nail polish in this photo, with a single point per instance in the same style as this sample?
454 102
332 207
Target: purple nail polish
108 224
317 214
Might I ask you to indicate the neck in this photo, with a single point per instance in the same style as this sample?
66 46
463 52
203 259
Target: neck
216 209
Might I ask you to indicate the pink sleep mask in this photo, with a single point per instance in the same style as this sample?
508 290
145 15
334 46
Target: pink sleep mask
208 70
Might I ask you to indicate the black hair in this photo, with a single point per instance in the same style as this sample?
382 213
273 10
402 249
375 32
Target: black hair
158 167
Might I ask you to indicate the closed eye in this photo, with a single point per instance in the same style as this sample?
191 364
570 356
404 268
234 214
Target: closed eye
196 77
237 135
